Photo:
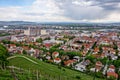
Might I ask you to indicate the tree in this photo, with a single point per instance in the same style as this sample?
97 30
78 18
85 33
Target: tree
101 50
6 41
56 46
115 46
94 45
39 40
24 52
111 78
116 63
82 48
3 56
47 38
103 60
91 58
99 74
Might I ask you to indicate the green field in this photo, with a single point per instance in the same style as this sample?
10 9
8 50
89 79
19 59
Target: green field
48 71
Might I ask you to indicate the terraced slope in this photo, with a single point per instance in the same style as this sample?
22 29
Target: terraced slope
48 71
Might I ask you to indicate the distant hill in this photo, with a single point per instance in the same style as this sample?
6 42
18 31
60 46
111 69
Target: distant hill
2 23
16 22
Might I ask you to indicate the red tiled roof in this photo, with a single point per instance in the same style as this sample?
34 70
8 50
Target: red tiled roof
102 55
69 62
57 59
96 49
54 53
47 45
112 66
12 45
112 74
98 63
26 48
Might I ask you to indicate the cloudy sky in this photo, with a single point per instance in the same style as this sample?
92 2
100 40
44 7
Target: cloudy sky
60 10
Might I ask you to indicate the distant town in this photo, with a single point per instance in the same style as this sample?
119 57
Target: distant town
90 49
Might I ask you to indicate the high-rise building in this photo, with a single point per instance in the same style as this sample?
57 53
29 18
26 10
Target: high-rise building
32 31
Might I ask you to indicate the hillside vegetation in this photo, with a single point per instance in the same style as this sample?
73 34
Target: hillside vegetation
46 70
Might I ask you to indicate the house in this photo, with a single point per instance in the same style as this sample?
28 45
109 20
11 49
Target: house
48 57
87 62
64 47
65 57
112 51
76 58
113 57
48 45
12 46
19 50
80 67
48 53
14 38
84 53
105 69
57 60
31 51
36 53
103 55
55 54
98 67
111 68
111 72
96 50
53 41
69 62
26 48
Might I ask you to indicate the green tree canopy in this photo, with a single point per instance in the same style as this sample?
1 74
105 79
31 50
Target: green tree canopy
39 40
3 56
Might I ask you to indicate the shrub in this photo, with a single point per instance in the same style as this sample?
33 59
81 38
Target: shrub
78 77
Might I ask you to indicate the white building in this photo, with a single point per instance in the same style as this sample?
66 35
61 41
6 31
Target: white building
44 32
57 60
80 67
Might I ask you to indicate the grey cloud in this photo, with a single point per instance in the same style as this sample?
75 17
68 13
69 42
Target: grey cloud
99 9
107 4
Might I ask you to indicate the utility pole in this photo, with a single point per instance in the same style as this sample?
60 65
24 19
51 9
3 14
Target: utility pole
94 74
95 71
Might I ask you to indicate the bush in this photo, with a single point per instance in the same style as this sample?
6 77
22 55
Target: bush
63 69
99 75
59 67
111 78
78 77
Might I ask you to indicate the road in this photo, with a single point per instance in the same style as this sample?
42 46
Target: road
5 37
23 57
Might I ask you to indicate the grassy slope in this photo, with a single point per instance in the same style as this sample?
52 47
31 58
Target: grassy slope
49 69
5 75
24 75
